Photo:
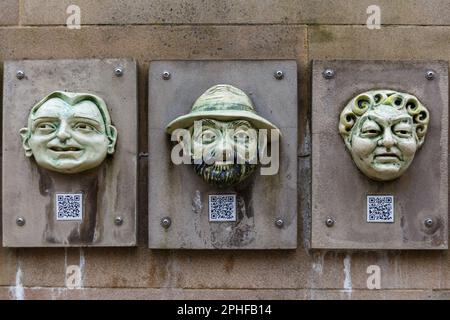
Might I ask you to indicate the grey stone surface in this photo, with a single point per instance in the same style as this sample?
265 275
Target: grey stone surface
176 191
109 190
339 189
58 293
399 12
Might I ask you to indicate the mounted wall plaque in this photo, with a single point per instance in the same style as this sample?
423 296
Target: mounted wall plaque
69 153
379 162
213 182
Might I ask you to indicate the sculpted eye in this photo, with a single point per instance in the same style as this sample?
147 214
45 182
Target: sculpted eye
208 136
84 127
240 135
370 129
45 127
403 130
370 132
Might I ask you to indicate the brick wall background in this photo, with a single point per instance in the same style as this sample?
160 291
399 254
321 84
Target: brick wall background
216 29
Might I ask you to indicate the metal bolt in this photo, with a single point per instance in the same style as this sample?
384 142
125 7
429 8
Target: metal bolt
279 223
328 73
166 222
430 74
329 222
20 221
428 222
20 74
166 75
118 72
118 221
279 75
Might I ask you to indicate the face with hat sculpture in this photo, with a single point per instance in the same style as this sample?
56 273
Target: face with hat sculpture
69 132
383 129
224 126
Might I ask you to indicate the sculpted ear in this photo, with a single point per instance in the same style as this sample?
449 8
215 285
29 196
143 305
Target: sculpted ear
24 133
112 139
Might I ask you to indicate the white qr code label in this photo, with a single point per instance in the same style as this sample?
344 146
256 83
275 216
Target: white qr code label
222 207
380 208
69 206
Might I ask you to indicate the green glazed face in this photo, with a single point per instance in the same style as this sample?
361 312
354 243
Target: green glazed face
68 138
229 151
383 130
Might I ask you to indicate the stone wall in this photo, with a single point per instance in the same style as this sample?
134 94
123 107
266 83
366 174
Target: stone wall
233 29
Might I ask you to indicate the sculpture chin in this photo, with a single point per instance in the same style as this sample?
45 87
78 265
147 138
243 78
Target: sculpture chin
224 175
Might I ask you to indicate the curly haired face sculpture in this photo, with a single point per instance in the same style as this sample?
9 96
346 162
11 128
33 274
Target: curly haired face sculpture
69 132
383 129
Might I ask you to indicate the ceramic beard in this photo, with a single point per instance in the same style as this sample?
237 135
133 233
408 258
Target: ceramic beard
223 126
69 132
383 129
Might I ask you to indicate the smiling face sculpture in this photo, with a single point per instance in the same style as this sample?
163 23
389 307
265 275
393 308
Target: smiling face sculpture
69 132
224 127
383 129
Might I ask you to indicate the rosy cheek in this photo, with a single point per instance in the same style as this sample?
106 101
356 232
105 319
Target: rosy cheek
362 146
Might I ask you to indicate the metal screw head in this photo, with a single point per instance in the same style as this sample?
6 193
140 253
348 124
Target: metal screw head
428 222
20 74
166 222
329 222
279 223
118 221
166 75
328 73
20 221
279 75
430 74
118 72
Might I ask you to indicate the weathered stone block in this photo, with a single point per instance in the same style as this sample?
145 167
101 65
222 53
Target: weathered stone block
177 192
9 12
340 190
108 191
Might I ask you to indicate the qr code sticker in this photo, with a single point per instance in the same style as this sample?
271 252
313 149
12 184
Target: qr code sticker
380 208
69 206
222 207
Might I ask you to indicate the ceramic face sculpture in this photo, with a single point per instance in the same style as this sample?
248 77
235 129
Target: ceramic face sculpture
69 132
224 143
383 129
224 126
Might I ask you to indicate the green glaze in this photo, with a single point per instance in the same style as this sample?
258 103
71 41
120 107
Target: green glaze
383 129
223 143
69 132
224 127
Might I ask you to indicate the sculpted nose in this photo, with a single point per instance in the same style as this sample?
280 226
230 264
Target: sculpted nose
63 134
225 151
388 139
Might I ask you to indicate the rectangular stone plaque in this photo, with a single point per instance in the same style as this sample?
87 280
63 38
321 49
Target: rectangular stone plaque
176 192
44 208
418 215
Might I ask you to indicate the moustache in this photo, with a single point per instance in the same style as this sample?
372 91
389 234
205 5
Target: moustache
224 174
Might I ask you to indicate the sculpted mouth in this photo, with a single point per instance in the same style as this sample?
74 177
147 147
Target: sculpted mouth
387 157
65 149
